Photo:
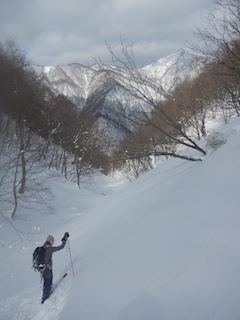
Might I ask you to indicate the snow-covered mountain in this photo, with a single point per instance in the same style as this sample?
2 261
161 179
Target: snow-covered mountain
78 82
75 81
173 69
100 87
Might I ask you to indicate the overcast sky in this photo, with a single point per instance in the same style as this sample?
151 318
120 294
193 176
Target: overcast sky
55 32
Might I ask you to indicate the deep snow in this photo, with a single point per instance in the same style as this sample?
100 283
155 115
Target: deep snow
163 247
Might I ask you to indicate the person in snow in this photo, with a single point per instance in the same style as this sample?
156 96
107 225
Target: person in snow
47 273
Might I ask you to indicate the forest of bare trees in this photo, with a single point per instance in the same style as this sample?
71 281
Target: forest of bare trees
40 129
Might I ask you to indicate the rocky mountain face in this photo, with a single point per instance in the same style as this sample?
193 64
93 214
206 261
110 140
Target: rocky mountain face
107 91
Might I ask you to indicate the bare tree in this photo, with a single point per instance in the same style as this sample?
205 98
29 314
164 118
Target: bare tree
218 43
133 155
145 102
20 103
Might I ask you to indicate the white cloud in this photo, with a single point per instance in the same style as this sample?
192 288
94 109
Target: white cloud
60 32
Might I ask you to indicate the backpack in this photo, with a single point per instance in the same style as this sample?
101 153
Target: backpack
38 259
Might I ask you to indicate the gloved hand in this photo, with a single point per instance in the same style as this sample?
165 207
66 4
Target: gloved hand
66 236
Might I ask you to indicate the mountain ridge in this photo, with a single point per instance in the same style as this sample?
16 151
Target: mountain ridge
101 88
175 65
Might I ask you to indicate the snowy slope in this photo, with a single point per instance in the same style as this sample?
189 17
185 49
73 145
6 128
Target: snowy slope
173 69
164 247
75 81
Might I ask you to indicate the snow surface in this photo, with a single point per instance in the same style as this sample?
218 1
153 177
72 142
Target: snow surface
163 247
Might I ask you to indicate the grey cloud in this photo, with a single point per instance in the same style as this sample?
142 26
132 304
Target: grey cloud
60 32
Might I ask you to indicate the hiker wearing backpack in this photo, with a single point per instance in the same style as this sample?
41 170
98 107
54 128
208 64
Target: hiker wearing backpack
47 273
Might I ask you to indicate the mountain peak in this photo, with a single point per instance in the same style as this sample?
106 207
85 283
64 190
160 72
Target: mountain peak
173 69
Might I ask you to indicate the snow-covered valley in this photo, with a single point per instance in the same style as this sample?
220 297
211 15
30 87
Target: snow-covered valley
163 247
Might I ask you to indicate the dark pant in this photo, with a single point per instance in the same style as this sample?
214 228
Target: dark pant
47 286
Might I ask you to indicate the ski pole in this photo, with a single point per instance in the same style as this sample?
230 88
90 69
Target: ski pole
70 255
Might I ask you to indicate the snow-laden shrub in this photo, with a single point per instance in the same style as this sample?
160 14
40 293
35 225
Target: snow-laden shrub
215 140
